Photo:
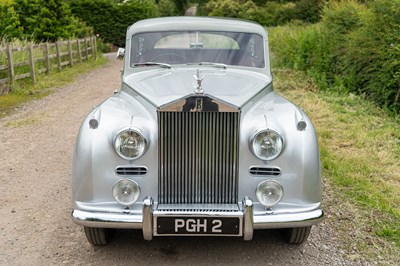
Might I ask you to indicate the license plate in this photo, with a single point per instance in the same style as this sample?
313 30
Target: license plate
198 226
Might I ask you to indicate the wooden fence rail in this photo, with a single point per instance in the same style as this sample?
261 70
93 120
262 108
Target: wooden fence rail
28 61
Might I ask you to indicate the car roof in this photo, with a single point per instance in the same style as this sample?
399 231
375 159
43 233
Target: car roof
195 23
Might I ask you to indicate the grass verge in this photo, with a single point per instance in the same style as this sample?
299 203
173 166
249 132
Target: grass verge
24 91
360 154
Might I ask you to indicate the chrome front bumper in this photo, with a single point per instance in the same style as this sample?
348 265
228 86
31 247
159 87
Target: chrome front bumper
145 221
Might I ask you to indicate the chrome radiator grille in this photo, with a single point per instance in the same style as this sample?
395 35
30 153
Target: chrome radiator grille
198 154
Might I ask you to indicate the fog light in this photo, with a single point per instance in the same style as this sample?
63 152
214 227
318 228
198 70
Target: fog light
269 193
266 144
126 191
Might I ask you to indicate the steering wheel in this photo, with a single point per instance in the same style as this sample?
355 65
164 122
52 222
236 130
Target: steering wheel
169 58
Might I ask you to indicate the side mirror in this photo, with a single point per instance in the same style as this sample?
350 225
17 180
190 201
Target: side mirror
120 53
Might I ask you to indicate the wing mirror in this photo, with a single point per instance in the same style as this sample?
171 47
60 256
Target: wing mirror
120 53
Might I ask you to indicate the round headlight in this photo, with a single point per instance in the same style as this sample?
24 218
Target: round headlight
269 193
266 144
126 191
130 144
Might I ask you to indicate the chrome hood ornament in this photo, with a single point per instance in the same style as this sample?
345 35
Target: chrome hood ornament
199 89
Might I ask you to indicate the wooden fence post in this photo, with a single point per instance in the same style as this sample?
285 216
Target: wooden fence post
58 55
93 39
78 41
71 62
86 49
47 57
10 63
32 63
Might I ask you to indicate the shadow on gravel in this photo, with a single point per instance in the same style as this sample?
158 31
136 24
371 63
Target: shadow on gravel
128 246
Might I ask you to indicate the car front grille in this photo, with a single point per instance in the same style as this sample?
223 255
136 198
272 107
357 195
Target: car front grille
198 155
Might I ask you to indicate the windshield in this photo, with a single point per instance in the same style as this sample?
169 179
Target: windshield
227 48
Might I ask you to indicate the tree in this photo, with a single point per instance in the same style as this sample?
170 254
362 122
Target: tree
10 26
51 20
111 20
167 8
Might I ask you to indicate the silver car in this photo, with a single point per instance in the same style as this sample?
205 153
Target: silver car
196 142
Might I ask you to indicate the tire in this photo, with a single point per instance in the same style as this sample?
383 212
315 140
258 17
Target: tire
98 236
296 235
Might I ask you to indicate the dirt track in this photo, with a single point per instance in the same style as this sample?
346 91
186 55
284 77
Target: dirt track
36 145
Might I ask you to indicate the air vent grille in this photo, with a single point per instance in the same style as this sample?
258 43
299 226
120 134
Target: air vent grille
131 170
265 171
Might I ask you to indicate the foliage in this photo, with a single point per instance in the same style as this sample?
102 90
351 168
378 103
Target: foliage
111 20
308 10
269 13
167 8
6 2
100 15
39 20
181 6
229 8
354 49
357 140
10 26
371 61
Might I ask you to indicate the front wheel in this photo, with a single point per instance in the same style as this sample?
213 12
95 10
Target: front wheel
98 236
296 235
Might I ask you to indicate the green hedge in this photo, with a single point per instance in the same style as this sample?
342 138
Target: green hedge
111 20
268 13
39 20
355 48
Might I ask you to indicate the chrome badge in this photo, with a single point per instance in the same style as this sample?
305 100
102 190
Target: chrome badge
199 89
199 105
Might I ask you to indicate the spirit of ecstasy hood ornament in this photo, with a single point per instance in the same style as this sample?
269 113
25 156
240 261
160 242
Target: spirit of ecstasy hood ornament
199 89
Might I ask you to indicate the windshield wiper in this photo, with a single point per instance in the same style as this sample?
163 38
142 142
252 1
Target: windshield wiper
208 64
153 64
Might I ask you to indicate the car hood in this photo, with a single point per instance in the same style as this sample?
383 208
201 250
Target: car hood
163 86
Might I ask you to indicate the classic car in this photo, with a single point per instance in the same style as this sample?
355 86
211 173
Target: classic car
196 142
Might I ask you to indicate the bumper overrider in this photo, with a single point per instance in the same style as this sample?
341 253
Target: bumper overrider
155 222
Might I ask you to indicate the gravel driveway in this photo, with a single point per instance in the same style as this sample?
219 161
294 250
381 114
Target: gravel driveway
36 145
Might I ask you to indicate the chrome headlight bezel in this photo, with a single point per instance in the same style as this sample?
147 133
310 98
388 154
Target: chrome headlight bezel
126 191
269 193
279 142
117 143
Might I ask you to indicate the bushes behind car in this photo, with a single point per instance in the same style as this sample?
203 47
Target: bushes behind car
111 20
268 13
355 48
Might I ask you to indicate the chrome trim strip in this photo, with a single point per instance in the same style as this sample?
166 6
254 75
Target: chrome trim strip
107 220
288 220
134 221
247 219
188 104
148 218
198 213
198 207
